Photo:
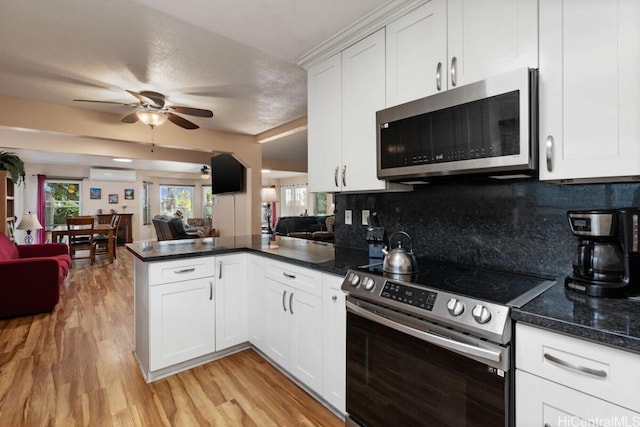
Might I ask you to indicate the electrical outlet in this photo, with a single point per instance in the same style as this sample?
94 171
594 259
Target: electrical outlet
347 217
365 216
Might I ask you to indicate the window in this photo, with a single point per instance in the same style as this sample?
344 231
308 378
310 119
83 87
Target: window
176 197
146 204
293 201
62 200
207 201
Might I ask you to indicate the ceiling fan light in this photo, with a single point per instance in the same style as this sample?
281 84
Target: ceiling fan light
205 173
151 118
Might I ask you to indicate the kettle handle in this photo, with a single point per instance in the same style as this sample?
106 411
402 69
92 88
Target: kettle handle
401 233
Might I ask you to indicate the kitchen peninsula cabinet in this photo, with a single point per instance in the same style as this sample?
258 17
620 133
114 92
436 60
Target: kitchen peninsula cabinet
231 300
448 43
562 380
257 296
589 90
174 315
344 93
294 321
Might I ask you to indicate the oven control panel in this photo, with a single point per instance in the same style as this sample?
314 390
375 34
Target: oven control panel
411 295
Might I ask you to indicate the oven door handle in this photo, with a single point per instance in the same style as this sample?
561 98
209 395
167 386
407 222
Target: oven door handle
444 342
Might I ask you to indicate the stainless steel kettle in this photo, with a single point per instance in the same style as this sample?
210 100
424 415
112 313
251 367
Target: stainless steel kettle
399 260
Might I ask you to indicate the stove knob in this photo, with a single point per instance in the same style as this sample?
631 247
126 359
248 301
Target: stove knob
481 314
354 279
369 283
455 307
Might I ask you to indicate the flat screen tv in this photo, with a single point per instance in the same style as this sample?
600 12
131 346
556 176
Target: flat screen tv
227 174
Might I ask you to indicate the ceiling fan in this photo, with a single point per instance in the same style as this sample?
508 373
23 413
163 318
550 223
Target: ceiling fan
153 111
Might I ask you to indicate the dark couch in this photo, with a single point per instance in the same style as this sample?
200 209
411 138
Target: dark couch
31 276
306 227
172 228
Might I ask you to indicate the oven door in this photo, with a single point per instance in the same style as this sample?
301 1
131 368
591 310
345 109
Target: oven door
402 372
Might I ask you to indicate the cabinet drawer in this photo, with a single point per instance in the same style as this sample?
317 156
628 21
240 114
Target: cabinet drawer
595 369
179 270
300 278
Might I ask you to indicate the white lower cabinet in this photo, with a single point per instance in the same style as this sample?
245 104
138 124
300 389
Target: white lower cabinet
174 312
294 321
182 321
334 342
257 297
231 300
566 381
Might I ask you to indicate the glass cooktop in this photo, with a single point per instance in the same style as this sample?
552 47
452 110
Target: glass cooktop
512 289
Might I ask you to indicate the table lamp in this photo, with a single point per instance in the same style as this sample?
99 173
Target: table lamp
269 196
29 222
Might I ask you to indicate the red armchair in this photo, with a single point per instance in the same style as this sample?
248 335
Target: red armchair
31 276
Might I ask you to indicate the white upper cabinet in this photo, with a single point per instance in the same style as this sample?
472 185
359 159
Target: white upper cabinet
444 44
490 37
324 85
417 54
589 89
345 91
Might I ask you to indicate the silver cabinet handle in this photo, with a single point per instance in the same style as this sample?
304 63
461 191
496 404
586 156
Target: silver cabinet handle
344 175
210 290
335 176
219 269
550 153
582 369
439 76
454 66
185 270
291 303
290 276
284 295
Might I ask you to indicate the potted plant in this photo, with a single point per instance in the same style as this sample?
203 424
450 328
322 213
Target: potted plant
14 165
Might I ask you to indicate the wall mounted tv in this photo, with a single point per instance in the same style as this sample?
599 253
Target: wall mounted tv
227 174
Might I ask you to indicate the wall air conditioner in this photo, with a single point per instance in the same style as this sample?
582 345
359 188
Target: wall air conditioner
123 175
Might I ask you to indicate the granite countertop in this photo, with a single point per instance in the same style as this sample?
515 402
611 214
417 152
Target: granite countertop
307 253
607 321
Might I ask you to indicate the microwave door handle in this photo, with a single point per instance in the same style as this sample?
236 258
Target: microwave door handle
440 341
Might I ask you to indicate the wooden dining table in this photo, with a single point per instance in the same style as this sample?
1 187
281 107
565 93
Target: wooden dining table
59 231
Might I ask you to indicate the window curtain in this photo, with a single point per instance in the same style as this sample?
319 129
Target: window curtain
42 196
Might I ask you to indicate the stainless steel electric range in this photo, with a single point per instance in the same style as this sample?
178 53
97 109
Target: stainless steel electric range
432 348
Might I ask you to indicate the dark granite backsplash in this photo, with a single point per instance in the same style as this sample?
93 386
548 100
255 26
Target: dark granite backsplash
518 225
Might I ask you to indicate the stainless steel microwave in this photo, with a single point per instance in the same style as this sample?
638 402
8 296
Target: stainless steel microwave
489 127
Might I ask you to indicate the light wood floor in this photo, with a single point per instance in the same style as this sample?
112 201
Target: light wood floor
75 367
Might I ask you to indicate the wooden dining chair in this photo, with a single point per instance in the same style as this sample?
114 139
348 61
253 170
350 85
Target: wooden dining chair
80 236
101 241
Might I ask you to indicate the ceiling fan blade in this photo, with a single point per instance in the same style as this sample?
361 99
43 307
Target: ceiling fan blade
103 102
182 122
130 118
146 100
191 111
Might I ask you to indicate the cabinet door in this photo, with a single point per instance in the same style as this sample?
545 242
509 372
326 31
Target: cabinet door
257 302
306 338
277 321
231 300
589 89
325 125
417 54
541 402
334 328
181 317
363 93
490 37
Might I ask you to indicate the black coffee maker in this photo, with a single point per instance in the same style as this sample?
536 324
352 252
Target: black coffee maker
607 260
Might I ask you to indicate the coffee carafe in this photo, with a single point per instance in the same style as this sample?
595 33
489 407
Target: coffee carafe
606 261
